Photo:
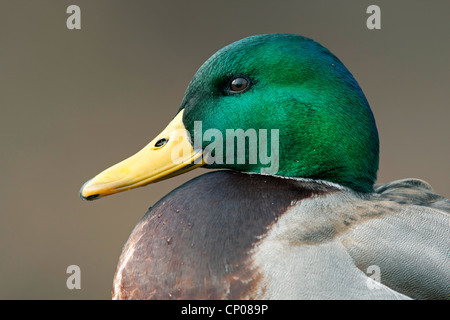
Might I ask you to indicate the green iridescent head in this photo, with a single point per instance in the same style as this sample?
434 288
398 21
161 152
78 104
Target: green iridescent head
316 120
290 83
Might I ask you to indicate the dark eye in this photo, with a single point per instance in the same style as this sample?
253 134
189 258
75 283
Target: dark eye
238 85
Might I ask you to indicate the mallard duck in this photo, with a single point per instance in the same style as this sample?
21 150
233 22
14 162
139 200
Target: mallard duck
302 219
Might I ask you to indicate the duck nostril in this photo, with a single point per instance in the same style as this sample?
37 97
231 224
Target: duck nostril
161 142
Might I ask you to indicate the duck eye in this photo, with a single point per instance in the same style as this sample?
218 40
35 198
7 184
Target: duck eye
238 85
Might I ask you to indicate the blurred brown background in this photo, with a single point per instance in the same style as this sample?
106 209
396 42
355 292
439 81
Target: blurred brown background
74 102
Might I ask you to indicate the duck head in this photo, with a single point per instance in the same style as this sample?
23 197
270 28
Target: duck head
282 96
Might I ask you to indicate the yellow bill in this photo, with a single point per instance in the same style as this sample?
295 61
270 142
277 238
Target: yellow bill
166 156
